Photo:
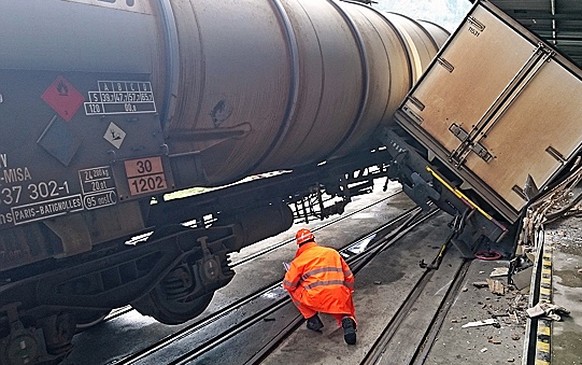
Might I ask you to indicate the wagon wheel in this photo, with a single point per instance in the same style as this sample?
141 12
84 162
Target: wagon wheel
158 305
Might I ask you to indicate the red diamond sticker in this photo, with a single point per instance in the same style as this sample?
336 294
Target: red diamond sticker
62 96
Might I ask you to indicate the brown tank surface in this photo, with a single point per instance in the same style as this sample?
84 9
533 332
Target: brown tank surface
302 82
108 105
105 102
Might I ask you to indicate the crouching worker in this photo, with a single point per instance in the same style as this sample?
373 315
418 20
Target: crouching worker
319 280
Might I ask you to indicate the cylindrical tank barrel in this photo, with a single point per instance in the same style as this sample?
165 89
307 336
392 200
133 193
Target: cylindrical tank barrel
303 81
243 86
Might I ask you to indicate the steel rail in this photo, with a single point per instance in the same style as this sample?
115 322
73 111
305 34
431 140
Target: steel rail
236 306
356 264
375 354
437 321
118 312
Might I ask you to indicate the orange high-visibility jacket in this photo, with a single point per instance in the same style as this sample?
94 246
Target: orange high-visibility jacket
320 278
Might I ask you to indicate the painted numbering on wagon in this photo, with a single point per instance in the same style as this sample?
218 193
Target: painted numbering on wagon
145 175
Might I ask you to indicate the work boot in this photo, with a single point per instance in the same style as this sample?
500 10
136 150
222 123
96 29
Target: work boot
314 323
349 326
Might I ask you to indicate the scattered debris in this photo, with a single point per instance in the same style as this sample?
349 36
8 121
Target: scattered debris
511 360
480 284
454 321
496 287
579 271
484 349
499 272
515 337
487 322
465 288
377 282
522 279
549 311
497 315
531 256
535 311
494 341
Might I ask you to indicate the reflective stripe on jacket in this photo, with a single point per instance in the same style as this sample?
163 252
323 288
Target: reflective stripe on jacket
320 278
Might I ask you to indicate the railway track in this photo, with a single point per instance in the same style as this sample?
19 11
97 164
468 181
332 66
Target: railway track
398 324
89 344
357 262
118 312
259 328
384 348
196 340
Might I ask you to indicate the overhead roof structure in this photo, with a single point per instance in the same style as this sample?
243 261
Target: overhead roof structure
558 22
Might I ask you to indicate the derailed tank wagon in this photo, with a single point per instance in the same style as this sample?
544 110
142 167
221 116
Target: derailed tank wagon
108 106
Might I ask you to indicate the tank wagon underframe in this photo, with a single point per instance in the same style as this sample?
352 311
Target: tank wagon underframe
171 270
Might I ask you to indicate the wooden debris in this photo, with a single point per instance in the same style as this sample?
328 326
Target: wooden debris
496 287
499 272
480 284
487 322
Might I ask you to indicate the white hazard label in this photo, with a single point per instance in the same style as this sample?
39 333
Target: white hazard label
114 135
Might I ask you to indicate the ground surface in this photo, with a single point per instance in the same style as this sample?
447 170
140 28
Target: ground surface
567 290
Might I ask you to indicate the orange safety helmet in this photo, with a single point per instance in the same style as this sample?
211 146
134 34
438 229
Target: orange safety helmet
303 236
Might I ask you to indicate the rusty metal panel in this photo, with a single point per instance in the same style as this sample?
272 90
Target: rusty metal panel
497 106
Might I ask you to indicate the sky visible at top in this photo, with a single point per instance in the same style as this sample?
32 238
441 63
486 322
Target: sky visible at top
446 13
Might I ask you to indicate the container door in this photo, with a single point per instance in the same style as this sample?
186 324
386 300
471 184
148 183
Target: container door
499 107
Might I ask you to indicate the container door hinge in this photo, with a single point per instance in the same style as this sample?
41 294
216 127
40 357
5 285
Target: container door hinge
555 154
478 148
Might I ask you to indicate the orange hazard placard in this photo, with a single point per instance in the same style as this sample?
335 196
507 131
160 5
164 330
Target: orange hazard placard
62 96
145 175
